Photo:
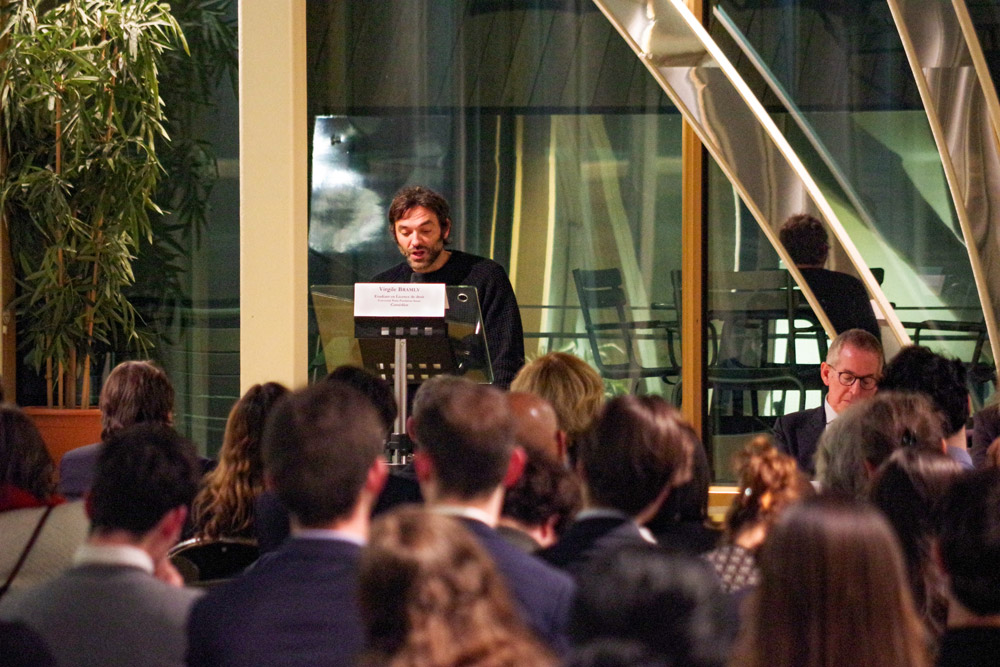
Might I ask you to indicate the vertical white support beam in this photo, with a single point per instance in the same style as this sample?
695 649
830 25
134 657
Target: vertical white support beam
273 192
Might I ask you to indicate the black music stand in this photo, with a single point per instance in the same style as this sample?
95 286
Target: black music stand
426 347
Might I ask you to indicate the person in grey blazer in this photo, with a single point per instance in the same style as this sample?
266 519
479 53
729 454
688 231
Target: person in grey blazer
851 372
122 603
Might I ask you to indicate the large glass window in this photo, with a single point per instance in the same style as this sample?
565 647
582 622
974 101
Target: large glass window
556 150
838 83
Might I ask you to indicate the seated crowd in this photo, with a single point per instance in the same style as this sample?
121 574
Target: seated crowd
542 526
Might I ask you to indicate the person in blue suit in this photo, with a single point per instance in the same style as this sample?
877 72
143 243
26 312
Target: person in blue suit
636 452
465 456
297 606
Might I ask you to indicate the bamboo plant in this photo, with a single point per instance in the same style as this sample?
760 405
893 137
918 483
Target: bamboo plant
80 122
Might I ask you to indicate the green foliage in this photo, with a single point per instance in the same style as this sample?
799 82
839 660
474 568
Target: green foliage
82 123
187 85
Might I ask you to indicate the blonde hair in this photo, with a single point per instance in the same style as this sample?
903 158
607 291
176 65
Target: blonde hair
572 386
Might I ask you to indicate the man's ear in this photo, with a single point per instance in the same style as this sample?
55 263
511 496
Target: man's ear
172 524
824 373
547 531
446 229
518 458
938 563
378 473
422 465
562 447
411 429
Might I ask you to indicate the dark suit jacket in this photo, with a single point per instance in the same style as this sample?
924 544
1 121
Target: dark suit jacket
543 593
591 538
844 299
985 429
76 469
271 521
297 606
797 434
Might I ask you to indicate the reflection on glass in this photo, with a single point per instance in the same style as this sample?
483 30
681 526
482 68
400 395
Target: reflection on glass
583 201
844 69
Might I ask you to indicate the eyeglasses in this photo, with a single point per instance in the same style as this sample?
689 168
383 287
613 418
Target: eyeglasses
848 378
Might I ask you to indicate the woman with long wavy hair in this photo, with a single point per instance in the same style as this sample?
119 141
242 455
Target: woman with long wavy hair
224 506
833 593
432 597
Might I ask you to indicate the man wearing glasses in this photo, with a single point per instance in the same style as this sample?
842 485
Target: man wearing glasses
852 370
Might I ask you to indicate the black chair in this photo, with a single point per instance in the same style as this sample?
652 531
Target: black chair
613 334
746 307
204 562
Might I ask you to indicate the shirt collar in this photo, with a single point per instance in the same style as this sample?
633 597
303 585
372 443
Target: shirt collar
830 413
463 512
327 534
118 554
607 513
601 513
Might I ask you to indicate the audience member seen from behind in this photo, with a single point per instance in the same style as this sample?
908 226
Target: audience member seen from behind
401 486
969 554
431 595
537 425
297 606
225 505
22 647
769 483
635 454
644 606
465 456
842 296
832 593
682 522
540 504
122 603
861 439
985 432
271 517
851 373
29 503
572 386
942 380
992 458
908 489
136 392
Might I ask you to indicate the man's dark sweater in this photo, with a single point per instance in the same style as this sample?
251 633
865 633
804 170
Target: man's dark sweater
501 317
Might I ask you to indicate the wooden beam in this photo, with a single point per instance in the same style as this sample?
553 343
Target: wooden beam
692 307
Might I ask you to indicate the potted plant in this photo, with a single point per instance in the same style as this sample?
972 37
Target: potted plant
80 119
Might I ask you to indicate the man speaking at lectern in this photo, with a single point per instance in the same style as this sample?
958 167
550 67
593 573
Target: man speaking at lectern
420 223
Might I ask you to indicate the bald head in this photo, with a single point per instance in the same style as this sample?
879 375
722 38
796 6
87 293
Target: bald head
537 424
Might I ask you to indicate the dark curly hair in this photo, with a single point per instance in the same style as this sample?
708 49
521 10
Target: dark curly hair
805 239
942 379
417 195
